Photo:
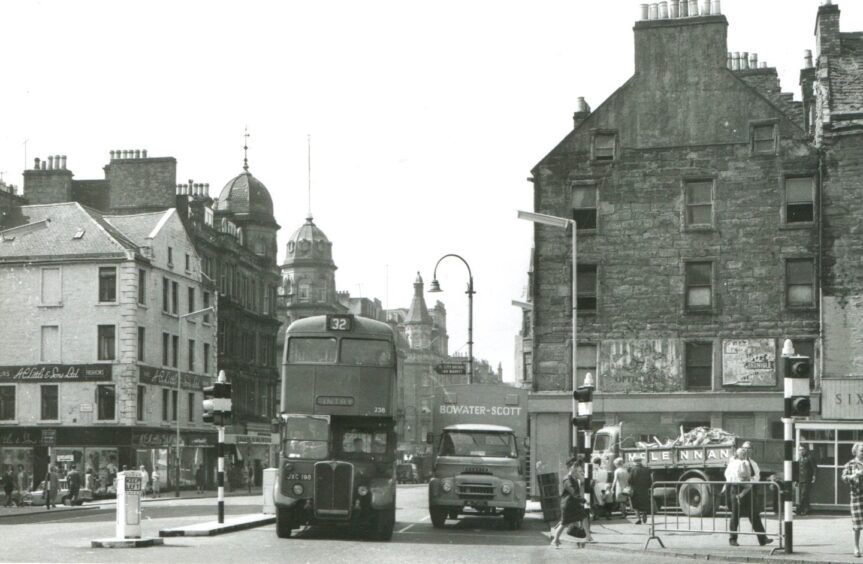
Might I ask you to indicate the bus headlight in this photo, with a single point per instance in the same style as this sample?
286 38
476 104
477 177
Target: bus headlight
446 486
288 467
506 489
298 489
362 490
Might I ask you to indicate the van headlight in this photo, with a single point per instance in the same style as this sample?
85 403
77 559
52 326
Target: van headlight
506 489
446 486
298 489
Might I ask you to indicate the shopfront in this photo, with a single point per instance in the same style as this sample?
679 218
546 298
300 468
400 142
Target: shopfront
830 439
100 453
245 452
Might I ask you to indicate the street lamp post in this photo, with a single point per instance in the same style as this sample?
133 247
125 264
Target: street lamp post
435 287
563 223
179 379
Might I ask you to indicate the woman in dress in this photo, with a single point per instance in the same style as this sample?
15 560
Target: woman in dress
621 488
572 507
852 474
641 481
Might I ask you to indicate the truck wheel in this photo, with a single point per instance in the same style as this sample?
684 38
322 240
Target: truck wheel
513 517
284 523
384 522
695 498
438 517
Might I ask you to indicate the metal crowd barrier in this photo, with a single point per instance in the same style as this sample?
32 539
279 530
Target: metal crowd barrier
708 509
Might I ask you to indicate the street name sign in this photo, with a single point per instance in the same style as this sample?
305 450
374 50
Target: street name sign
451 368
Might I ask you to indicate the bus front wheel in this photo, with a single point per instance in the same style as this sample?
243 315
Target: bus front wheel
438 516
284 523
385 521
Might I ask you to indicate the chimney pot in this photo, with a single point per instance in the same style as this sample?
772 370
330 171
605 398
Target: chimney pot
207 189
763 65
144 153
705 7
807 59
112 155
44 164
663 10
735 61
581 105
137 153
716 7
56 162
644 11
729 59
50 162
653 12
753 60
36 163
744 60
684 11
693 7
674 9
63 162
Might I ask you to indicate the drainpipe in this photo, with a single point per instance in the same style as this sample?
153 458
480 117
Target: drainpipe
820 274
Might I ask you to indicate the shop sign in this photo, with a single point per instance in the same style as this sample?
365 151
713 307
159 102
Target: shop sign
842 398
154 439
749 362
65 458
232 439
20 437
56 373
168 378
49 437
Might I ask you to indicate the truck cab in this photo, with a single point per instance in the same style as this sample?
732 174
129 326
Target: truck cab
477 470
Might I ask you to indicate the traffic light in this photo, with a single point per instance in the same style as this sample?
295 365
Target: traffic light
217 401
583 396
796 371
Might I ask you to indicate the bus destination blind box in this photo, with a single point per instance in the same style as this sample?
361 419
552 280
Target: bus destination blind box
340 322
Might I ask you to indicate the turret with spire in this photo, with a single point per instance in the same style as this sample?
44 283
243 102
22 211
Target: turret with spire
418 322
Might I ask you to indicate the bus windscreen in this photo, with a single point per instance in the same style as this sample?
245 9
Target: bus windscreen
306 437
367 352
315 350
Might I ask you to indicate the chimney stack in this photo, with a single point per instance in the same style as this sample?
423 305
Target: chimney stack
827 30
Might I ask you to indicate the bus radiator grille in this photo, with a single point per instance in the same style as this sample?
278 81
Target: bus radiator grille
334 482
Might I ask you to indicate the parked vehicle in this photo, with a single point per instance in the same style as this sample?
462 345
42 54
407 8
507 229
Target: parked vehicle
37 496
407 473
692 464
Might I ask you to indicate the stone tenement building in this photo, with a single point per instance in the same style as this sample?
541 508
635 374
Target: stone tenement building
91 344
234 238
716 218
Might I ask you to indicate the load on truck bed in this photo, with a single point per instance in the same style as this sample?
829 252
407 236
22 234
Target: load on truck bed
478 441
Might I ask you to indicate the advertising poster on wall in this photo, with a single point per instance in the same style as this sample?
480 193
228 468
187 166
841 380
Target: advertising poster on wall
749 362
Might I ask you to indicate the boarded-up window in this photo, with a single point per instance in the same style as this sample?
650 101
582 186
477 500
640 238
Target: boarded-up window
603 147
51 292
50 351
763 139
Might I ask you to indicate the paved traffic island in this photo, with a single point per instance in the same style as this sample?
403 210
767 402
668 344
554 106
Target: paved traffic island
212 528
126 543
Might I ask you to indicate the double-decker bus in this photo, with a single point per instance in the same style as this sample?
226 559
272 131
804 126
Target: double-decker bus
337 426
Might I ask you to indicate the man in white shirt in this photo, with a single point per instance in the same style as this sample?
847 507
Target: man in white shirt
740 470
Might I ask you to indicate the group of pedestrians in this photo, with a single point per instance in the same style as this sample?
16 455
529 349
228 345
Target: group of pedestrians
19 483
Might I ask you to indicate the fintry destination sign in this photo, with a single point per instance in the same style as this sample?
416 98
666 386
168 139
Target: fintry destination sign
56 373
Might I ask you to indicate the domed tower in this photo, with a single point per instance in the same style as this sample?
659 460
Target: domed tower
247 203
308 275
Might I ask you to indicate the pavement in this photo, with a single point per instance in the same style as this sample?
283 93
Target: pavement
824 538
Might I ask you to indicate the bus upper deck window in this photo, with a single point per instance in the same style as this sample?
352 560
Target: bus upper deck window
367 352
313 350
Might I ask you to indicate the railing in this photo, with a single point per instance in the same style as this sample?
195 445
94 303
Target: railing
717 508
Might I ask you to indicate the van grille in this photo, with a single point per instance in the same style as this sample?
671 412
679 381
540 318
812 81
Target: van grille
475 490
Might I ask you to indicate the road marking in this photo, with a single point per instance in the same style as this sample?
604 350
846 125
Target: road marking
412 524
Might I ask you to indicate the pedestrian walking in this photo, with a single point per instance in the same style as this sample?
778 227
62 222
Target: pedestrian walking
601 487
641 481
23 482
156 476
73 480
806 478
250 476
199 478
620 486
8 485
573 512
852 474
52 486
145 479
739 473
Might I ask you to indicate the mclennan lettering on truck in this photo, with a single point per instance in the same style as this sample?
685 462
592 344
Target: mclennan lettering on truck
498 410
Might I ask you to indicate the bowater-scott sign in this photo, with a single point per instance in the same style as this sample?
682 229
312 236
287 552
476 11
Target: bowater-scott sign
56 373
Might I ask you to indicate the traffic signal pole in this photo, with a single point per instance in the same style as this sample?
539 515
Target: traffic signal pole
220 475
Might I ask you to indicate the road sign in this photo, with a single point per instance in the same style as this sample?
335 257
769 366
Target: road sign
451 368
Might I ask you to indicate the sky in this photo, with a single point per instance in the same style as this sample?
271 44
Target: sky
425 118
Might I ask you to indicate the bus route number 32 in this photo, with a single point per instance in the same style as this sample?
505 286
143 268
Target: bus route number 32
339 323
